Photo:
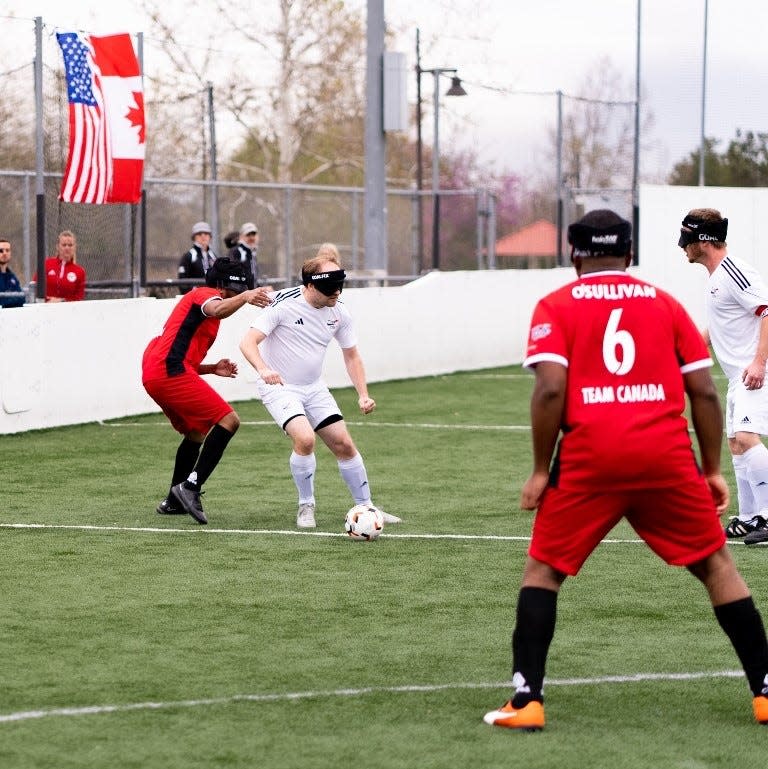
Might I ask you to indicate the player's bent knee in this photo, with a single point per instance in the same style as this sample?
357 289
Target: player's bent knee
230 422
304 444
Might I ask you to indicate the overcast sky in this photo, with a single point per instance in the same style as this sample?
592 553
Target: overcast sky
503 47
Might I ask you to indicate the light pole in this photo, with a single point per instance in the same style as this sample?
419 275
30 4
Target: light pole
703 146
456 89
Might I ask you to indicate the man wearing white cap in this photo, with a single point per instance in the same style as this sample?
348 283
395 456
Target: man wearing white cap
245 252
195 262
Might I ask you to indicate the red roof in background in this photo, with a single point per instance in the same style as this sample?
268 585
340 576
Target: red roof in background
537 239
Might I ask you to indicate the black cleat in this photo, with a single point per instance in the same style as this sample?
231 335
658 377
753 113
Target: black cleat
737 528
169 507
189 499
757 537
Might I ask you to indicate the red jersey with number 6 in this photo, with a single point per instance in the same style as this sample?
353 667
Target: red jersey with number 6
626 345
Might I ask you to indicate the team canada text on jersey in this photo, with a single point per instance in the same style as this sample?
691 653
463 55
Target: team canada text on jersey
636 393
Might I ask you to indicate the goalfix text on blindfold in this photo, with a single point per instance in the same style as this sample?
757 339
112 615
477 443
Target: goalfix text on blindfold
702 230
327 283
614 240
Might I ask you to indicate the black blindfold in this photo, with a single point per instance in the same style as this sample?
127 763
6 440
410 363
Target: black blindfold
701 231
586 240
327 283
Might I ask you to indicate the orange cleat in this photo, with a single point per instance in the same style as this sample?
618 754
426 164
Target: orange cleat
760 709
530 718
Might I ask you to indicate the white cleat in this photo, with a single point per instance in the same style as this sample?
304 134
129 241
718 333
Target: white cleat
305 518
388 518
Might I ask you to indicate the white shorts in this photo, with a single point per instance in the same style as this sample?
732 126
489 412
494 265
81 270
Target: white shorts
284 402
746 411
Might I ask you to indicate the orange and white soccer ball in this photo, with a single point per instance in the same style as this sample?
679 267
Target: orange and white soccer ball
364 523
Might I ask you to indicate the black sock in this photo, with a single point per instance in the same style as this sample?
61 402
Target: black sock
186 456
534 629
743 624
213 448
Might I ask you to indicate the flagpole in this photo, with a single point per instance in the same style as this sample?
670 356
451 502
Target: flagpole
143 201
39 160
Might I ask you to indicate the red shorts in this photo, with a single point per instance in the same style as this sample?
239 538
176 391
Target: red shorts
188 401
679 523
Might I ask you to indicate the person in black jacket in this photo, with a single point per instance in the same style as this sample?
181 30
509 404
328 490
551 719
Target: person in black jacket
195 262
245 252
11 293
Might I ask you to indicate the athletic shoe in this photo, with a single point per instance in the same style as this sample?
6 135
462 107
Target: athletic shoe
757 537
760 709
530 718
189 499
738 528
388 518
305 518
168 507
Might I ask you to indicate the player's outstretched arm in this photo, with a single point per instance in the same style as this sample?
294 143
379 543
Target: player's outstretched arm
226 307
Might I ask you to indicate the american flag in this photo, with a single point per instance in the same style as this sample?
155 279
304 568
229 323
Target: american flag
106 119
88 176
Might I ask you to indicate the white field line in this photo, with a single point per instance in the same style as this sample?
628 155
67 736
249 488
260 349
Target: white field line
296 533
274 532
91 710
410 425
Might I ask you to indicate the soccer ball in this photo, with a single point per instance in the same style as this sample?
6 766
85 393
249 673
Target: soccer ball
364 523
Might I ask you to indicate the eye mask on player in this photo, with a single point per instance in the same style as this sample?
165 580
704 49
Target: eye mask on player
327 283
701 231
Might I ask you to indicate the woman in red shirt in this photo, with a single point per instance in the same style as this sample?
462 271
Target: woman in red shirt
64 277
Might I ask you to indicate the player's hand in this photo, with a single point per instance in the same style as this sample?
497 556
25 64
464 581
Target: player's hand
367 405
753 376
719 490
226 367
269 376
533 490
259 296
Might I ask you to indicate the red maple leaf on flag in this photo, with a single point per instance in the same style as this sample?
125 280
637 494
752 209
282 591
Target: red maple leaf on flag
136 114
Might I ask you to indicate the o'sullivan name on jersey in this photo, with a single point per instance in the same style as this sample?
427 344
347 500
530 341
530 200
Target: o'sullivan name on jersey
613 291
635 393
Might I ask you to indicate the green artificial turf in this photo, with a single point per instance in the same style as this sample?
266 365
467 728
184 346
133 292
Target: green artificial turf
130 639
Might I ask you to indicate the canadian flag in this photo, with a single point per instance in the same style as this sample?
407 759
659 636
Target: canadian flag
106 119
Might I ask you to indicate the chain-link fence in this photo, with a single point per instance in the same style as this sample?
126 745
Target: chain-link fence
293 220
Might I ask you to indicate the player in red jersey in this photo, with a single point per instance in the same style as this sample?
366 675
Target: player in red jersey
614 358
171 369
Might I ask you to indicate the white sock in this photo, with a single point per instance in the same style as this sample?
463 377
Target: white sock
303 472
756 460
354 475
747 505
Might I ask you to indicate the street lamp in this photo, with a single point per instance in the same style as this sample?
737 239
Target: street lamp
456 89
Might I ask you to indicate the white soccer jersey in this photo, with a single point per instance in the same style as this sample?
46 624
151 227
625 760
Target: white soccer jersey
298 335
737 297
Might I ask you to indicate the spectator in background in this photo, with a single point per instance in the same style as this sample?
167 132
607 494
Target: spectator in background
64 277
245 252
11 294
195 262
230 240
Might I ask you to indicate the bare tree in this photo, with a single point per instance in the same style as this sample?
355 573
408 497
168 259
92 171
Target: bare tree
287 80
